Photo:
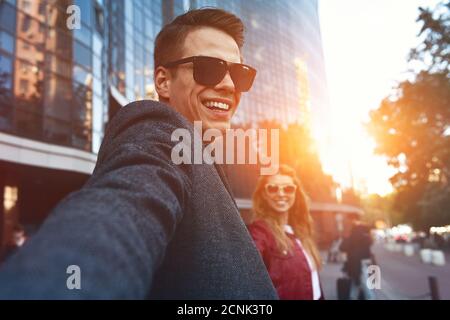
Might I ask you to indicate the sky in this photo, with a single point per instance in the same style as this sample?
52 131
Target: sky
366 44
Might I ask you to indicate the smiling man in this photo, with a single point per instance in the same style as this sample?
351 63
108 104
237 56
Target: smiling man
143 227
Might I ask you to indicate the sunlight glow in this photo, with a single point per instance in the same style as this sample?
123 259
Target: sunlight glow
366 44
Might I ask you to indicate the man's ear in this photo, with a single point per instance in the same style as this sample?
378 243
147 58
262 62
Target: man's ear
162 82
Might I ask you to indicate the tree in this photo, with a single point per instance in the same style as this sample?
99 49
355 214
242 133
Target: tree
412 126
433 52
378 208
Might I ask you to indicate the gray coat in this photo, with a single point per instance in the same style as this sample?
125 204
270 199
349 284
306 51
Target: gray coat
142 227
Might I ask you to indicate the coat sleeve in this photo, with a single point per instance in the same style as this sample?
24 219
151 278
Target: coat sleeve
115 230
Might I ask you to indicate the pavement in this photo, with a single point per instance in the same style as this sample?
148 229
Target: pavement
402 277
328 277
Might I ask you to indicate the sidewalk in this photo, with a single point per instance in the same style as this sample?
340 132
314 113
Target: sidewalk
328 276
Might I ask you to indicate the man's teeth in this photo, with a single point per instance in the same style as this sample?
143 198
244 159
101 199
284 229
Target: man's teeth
215 104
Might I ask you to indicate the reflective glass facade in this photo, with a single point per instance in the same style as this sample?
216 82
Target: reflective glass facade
53 79
133 28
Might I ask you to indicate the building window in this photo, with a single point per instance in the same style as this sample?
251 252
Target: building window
99 19
86 10
60 43
25 26
42 8
28 123
84 35
57 131
58 97
7 17
23 87
82 105
97 45
81 75
58 66
5 74
82 55
138 18
6 42
32 54
10 196
81 138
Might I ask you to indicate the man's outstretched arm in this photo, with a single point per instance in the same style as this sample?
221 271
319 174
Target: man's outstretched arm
116 228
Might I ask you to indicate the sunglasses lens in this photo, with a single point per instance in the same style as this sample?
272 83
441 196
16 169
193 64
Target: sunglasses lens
209 71
289 189
242 76
272 188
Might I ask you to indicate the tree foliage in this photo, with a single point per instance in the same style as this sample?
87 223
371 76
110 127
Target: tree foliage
412 126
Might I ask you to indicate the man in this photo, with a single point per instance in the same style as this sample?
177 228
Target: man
143 227
357 247
16 241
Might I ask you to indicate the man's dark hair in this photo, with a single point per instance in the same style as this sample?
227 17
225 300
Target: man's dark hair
170 40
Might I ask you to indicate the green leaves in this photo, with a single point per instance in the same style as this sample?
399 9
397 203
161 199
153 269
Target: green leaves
412 126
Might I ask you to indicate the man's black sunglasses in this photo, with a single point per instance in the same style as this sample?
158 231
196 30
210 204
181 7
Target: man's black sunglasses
209 71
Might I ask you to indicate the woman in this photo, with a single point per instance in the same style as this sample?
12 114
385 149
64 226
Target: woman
282 232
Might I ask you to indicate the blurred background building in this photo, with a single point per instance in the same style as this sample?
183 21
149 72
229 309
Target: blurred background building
59 87
53 104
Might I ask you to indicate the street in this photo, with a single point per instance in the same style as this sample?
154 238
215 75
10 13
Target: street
402 277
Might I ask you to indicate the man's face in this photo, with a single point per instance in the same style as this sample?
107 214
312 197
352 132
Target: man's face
188 97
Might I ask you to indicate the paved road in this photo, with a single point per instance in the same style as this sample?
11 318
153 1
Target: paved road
405 277
402 277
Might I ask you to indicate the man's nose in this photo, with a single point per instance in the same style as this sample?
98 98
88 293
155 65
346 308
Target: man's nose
226 84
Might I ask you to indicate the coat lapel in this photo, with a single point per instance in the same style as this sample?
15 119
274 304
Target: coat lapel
224 179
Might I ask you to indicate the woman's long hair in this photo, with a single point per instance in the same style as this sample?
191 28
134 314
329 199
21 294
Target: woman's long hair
299 217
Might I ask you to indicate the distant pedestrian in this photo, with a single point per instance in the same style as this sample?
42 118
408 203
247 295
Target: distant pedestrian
16 241
357 247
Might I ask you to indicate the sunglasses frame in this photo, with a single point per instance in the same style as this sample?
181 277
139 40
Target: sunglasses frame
282 187
229 66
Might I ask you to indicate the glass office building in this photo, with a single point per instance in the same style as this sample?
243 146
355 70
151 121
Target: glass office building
133 26
60 85
53 103
54 84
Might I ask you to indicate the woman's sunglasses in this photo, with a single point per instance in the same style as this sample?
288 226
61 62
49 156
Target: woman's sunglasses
287 189
209 71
